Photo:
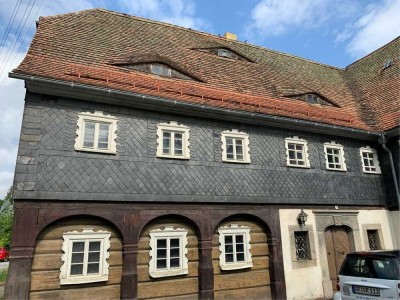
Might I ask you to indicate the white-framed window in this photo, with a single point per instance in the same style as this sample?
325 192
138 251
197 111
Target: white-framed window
235 146
161 70
85 256
173 140
369 160
234 247
297 152
334 157
168 252
96 133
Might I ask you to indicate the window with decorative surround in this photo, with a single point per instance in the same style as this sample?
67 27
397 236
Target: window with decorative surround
96 133
173 140
235 146
334 157
168 250
369 160
302 246
296 152
85 256
234 247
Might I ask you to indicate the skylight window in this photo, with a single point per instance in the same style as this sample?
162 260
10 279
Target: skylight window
313 98
388 63
158 69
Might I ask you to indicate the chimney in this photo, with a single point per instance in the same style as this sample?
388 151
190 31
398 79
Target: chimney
230 36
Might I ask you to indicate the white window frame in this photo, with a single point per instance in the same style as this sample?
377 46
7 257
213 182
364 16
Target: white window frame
167 233
375 160
297 141
342 160
173 127
234 230
235 135
86 235
97 117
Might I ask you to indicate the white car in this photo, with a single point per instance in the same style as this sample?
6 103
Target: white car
370 275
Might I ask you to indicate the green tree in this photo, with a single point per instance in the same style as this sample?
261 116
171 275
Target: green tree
6 219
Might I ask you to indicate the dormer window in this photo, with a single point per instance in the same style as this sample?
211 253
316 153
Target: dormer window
388 63
160 70
312 98
225 53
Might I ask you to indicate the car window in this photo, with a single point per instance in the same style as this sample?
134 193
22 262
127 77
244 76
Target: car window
371 267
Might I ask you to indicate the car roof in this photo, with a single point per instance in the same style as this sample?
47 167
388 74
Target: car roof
377 253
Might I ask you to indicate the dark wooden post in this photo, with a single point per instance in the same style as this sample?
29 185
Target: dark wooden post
22 249
129 283
129 272
206 271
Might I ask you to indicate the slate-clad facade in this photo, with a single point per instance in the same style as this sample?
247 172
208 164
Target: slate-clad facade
133 224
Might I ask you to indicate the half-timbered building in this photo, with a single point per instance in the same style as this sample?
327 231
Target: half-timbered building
157 161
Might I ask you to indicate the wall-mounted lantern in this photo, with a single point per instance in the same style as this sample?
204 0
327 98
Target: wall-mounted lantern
302 218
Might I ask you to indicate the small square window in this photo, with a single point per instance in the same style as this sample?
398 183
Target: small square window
234 247
369 160
302 245
85 257
173 141
373 240
168 252
235 146
334 157
161 70
96 133
296 152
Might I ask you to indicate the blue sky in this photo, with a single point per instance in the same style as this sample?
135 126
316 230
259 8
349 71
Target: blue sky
333 32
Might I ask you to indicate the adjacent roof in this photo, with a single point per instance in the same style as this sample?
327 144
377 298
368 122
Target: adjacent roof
88 47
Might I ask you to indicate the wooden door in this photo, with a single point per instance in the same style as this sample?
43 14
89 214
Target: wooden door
337 246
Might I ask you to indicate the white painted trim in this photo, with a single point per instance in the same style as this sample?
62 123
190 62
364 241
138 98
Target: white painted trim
235 134
168 232
96 117
368 149
173 127
298 141
235 229
87 234
334 145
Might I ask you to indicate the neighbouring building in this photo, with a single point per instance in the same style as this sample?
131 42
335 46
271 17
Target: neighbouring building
157 161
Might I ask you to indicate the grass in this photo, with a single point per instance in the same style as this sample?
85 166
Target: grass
3 275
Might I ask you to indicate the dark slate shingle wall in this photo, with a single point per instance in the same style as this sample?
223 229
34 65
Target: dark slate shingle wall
48 167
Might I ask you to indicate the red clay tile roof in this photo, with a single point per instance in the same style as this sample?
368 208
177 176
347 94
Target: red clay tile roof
82 47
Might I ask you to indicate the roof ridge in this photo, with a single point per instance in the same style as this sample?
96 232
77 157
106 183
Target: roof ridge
196 31
373 52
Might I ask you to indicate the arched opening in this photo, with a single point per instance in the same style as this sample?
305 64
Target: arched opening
241 259
100 259
168 259
338 241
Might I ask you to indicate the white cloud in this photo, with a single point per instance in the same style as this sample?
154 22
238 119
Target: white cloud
379 25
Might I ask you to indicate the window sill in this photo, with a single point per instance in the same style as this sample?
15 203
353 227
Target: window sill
169 273
301 167
337 170
236 266
235 161
370 172
173 157
83 280
96 151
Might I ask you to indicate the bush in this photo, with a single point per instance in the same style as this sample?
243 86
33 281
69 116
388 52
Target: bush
3 275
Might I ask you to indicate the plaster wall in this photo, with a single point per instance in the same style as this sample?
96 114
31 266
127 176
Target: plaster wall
301 282
395 226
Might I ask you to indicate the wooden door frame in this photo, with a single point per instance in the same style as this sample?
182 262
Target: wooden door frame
324 219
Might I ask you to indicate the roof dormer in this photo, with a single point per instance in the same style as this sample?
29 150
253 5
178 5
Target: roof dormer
224 52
